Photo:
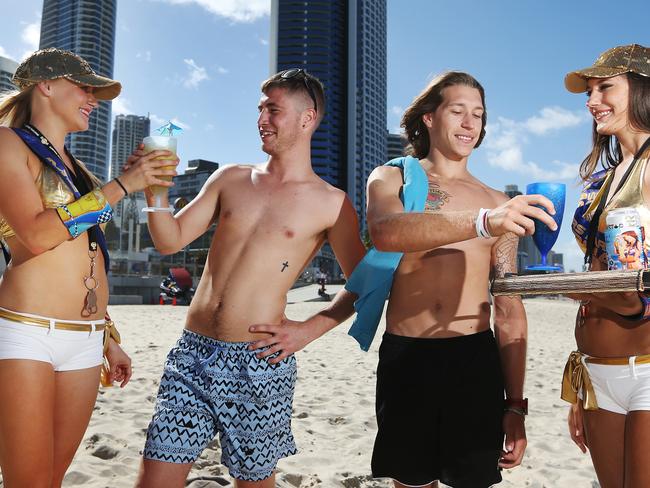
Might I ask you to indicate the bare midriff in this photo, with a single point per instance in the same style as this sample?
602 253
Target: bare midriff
441 293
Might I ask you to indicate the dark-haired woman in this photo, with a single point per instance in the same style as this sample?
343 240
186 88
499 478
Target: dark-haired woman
610 372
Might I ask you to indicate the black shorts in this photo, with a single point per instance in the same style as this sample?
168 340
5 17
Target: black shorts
439 411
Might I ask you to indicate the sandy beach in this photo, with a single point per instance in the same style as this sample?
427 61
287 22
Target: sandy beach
333 420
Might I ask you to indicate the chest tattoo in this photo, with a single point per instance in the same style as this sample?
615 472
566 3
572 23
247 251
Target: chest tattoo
285 265
436 198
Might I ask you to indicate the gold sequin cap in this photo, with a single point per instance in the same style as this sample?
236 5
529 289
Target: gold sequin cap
53 63
616 61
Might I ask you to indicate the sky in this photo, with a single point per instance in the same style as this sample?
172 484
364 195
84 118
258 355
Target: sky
200 64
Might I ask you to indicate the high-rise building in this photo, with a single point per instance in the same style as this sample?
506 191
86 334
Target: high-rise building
128 132
7 70
343 43
87 28
395 146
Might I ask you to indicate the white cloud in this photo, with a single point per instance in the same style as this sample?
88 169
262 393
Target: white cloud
121 106
263 41
397 110
554 118
31 34
145 56
196 74
4 53
235 10
222 71
506 140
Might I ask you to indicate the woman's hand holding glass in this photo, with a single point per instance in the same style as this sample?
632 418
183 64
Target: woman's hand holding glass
144 170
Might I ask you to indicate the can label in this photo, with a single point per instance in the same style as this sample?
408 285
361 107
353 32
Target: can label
624 239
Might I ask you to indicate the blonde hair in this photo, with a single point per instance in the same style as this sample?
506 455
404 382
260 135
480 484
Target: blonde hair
16 107
16 111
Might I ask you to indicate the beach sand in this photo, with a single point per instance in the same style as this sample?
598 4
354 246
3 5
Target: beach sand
333 420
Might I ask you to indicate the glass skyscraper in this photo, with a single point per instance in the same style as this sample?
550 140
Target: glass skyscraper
86 27
343 43
7 70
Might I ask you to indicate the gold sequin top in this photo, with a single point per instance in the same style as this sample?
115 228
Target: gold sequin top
630 195
53 191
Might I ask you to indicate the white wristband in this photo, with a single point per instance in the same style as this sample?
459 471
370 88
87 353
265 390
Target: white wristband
481 224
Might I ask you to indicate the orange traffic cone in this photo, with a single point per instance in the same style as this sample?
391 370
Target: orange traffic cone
161 301
173 300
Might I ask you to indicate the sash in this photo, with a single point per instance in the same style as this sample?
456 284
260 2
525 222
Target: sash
52 160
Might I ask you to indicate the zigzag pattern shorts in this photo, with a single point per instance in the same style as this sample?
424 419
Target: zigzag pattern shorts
209 387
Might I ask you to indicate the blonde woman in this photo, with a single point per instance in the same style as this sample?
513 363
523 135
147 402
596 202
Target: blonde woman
54 292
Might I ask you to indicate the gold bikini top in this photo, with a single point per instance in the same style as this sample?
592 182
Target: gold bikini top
54 192
630 195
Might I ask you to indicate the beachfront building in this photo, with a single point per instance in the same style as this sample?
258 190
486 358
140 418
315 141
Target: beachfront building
395 146
7 70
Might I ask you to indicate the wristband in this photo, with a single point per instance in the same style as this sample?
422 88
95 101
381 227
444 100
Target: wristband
516 410
481 224
519 406
88 210
644 314
121 186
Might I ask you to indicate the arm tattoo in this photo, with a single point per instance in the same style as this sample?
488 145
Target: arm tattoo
505 255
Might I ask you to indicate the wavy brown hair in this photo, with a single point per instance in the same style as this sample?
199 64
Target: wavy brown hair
606 148
427 102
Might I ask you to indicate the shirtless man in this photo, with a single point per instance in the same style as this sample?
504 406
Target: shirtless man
442 372
272 219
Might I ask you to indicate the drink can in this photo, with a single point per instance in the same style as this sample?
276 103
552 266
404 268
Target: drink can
624 240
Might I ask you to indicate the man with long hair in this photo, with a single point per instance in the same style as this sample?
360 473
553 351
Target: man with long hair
443 373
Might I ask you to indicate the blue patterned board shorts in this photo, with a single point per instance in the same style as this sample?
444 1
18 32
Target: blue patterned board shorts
210 386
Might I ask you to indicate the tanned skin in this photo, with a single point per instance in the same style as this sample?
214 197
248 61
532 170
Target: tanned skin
440 288
271 221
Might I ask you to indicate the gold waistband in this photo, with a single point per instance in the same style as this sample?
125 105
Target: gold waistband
645 359
57 324
576 376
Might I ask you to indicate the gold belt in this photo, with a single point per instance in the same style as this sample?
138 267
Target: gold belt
576 376
57 324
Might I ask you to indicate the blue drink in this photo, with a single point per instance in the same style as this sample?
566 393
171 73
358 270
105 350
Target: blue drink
544 237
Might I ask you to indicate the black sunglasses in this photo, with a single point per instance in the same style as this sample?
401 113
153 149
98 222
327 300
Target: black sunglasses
292 73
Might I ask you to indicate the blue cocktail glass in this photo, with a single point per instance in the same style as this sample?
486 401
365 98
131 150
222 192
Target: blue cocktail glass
544 237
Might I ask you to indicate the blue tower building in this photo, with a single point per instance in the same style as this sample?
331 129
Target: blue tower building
343 43
87 28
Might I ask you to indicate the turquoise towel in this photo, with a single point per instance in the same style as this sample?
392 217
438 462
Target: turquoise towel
372 279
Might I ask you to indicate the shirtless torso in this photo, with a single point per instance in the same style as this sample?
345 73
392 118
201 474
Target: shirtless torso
443 292
267 233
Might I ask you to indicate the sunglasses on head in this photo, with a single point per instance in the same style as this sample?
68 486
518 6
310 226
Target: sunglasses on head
292 73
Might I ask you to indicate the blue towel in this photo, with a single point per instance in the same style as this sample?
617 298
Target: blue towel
372 279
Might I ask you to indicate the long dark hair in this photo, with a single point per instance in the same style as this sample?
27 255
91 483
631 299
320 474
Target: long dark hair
427 102
606 148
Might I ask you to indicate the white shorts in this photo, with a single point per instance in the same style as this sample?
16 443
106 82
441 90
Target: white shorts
65 350
621 388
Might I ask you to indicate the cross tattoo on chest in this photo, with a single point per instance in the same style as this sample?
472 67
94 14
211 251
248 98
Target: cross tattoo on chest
285 265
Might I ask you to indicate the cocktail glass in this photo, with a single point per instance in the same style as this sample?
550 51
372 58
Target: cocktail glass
544 237
152 143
